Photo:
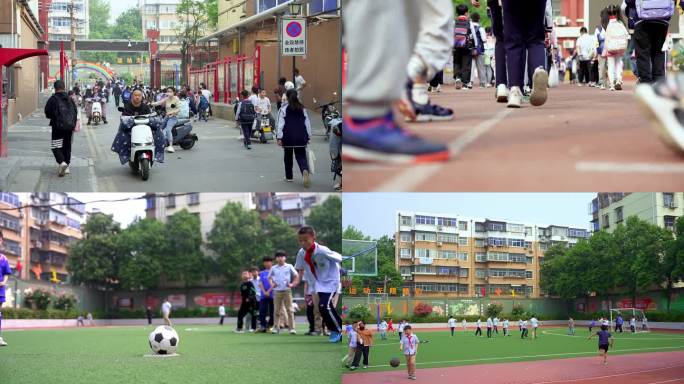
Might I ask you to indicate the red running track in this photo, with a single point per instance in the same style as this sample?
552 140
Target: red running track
640 368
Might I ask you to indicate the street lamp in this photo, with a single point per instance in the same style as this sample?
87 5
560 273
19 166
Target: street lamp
295 8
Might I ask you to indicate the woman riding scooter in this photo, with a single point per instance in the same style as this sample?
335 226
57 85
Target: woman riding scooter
98 96
171 104
122 141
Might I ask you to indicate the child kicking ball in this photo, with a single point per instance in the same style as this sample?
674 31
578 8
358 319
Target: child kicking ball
409 345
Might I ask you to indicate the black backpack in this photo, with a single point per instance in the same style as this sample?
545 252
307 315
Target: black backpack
66 115
247 112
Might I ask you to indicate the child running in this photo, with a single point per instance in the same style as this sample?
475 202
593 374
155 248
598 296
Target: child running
478 326
523 328
617 38
409 345
605 340
400 327
535 324
452 325
390 326
592 324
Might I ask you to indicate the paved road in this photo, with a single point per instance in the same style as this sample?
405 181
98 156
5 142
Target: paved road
218 162
583 139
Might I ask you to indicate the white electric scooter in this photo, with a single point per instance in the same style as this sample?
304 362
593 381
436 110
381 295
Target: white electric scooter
95 110
142 144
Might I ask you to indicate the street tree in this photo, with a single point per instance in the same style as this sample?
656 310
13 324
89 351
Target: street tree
143 245
672 267
94 260
193 23
326 219
184 260
279 235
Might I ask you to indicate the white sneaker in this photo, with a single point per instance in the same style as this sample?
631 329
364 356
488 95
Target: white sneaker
251 331
170 149
502 93
2 342
239 331
515 97
62 168
293 332
67 170
274 331
540 84
612 88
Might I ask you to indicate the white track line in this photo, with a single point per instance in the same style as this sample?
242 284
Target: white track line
607 376
613 167
532 356
413 176
667 381
622 338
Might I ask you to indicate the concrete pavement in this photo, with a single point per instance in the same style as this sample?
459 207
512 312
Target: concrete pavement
582 139
217 163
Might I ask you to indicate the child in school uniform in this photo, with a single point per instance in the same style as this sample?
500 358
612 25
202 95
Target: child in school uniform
353 342
409 345
383 329
523 327
452 325
478 328
617 39
464 324
505 327
605 341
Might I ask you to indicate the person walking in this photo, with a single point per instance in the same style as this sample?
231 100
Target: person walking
117 94
63 115
651 22
293 134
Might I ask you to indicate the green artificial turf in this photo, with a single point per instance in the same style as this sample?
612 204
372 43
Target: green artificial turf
552 343
208 354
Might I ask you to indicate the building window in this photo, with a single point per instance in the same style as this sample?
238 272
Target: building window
405 253
151 24
668 200
427 220
518 228
12 247
73 223
496 226
463 256
405 220
528 260
496 241
462 241
193 198
151 203
463 272
559 231
405 237
10 198
405 271
480 227
543 246
669 222
618 215
322 6
10 222
446 222
171 201
520 243
265 5
528 274
581 233
606 221
425 236
479 242
446 254
447 238
480 273
424 269
480 257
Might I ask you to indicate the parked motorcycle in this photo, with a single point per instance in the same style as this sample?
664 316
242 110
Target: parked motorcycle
95 107
182 134
328 113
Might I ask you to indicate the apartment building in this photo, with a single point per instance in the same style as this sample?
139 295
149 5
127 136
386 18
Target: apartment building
294 208
59 19
204 205
449 255
659 208
161 15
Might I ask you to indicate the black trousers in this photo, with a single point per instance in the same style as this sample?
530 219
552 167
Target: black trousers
300 155
311 318
462 64
246 308
500 47
361 350
452 330
524 38
437 80
266 308
489 332
221 321
117 98
478 331
496 329
583 72
328 312
649 38
61 145
524 333
618 328
247 132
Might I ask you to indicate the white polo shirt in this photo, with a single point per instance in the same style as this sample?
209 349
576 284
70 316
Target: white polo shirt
282 276
327 268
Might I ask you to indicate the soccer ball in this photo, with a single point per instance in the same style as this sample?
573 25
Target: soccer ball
164 340
394 362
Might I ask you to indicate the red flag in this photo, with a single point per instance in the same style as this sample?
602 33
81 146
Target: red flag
482 290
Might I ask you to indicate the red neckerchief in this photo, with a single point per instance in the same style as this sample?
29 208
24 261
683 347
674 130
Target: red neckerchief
410 343
307 258
612 18
463 17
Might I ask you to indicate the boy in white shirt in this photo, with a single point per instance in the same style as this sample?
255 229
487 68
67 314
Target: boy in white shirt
523 328
383 329
464 324
452 325
409 345
353 342
496 325
281 276
535 324
478 328
400 328
490 324
166 311
505 327
222 313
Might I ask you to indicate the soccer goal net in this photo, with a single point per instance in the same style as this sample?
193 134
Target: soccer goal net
626 318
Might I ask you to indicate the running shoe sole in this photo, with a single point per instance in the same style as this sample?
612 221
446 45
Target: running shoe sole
362 155
666 124
540 82
428 118
502 98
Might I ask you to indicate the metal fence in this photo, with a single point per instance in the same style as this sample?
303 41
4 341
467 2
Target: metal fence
227 77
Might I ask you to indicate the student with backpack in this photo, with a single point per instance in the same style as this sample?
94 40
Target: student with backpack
617 39
463 48
63 115
478 50
651 23
203 107
293 134
245 114
126 95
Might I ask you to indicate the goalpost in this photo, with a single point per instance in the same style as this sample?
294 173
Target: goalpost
375 302
640 321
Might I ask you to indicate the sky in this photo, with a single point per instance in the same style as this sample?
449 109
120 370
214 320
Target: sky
374 213
124 212
119 6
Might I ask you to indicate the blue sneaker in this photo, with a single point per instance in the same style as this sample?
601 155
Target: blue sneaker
432 112
382 140
335 337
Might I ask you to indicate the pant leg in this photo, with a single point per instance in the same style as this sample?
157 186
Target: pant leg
253 314
481 73
435 38
499 47
279 296
288 309
603 70
458 63
300 156
247 133
59 139
263 305
318 319
357 356
221 321
366 350
642 45
467 66
288 154
374 82
658 36
611 70
618 74
241 315
329 313
310 317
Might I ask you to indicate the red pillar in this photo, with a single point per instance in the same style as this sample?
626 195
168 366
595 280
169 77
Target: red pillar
61 61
